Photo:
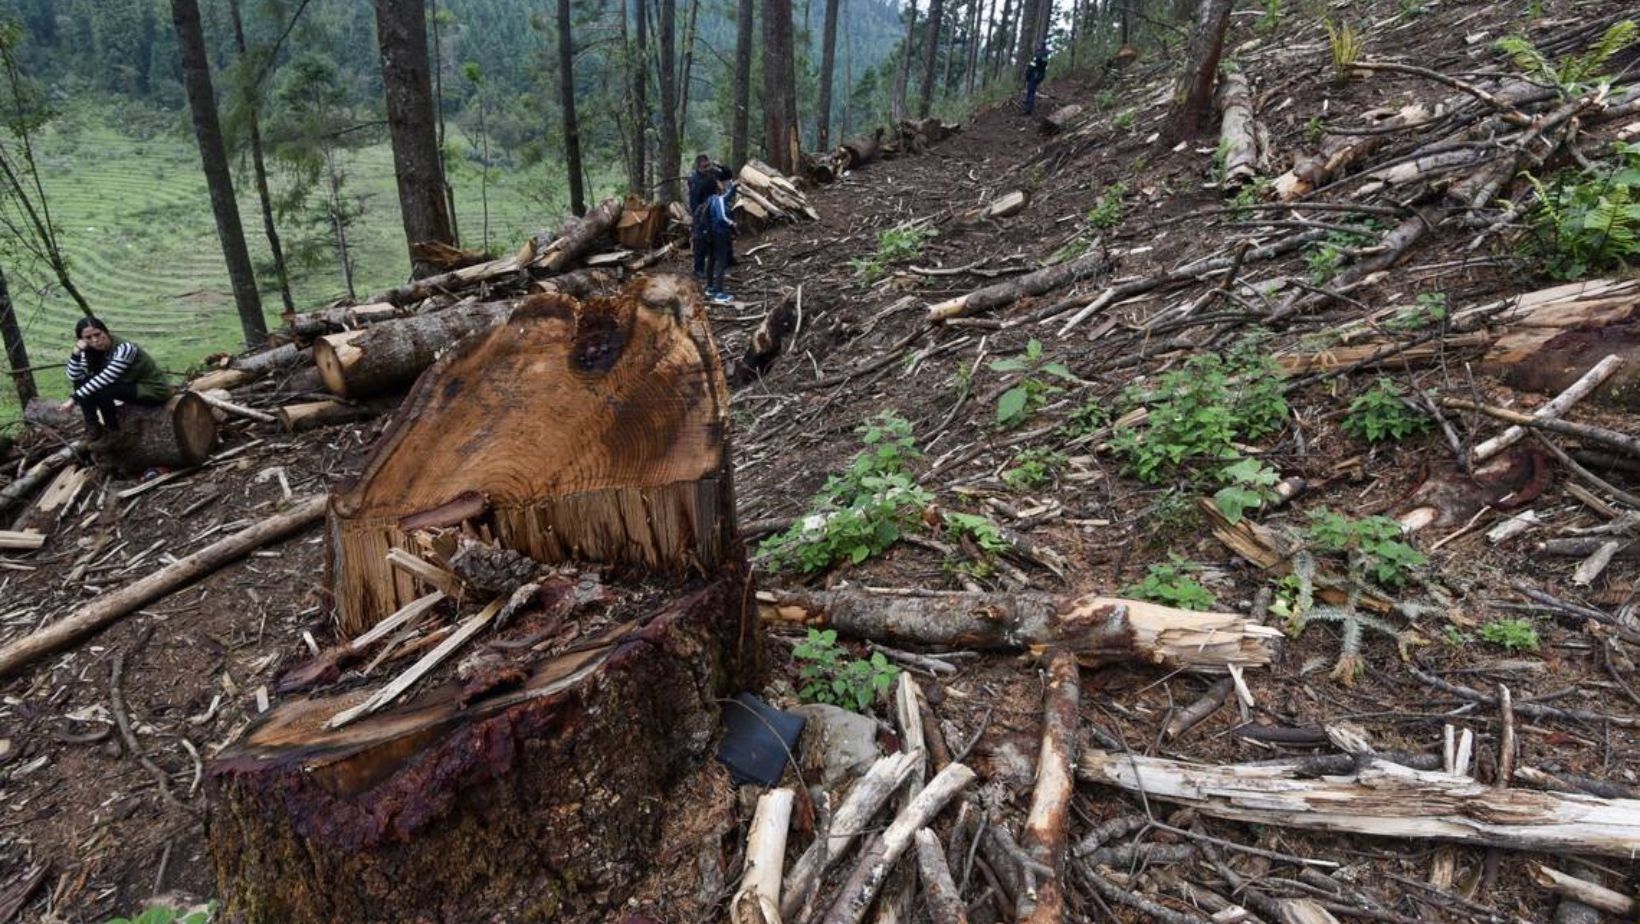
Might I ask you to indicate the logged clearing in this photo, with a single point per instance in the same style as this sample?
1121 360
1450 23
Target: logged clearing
1183 503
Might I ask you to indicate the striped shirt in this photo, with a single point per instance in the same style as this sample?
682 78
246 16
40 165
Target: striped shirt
86 384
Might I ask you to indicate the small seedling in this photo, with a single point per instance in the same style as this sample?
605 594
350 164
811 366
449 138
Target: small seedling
160 914
1090 418
1511 634
1030 391
829 675
1248 484
1346 45
1270 20
1376 540
1170 584
1383 415
1102 217
1033 468
1314 130
1124 120
1429 311
894 246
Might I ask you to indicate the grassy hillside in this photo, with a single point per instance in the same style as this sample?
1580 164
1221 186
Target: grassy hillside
136 222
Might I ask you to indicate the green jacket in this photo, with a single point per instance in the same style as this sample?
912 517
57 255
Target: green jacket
124 362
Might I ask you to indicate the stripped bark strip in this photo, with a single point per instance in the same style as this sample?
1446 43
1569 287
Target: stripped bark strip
1050 803
867 878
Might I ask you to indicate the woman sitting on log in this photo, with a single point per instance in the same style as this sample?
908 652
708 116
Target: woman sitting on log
105 369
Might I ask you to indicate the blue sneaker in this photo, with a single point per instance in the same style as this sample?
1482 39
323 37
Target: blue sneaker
723 298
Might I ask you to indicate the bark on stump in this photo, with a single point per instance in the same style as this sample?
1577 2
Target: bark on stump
591 432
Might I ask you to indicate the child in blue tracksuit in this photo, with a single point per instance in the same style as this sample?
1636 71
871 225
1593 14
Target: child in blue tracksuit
720 229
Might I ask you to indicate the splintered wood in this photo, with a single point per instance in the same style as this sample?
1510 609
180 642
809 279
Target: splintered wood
588 429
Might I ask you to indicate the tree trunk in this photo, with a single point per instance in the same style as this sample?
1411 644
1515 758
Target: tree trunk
974 26
196 74
1001 37
1201 72
1025 39
780 136
177 434
612 368
671 153
640 101
566 103
1007 292
385 358
259 169
311 415
11 337
931 54
828 75
740 129
689 37
401 31
902 73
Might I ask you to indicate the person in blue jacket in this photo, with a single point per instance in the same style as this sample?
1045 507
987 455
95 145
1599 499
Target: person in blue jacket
702 183
720 230
1034 75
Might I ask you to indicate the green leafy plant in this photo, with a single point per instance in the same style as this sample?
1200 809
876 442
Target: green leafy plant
1221 156
1198 412
160 914
894 246
1411 9
1381 414
1375 540
1512 634
1033 468
1346 45
1456 637
1429 311
1030 391
1124 120
982 530
1314 129
831 676
1270 19
1251 194
862 510
1248 484
1589 220
1091 417
1573 74
1105 99
1103 216
1170 584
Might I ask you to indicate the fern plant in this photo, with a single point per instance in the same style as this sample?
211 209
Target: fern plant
1588 221
1346 45
1573 74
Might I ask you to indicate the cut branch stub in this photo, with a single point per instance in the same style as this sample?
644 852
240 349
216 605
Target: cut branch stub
594 431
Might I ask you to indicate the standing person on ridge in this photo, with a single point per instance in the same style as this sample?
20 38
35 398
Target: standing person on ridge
702 183
720 229
1034 75
104 369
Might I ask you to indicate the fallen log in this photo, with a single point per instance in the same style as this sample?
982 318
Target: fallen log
1589 893
286 356
311 415
1559 406
344 317
638 405
220 379
176 434
857 152
945 903
1061 119
117 604
1340 152
758 901
874 865
1097 630
1611 439
22 540
1236 137
1044 838
1004 293
385 358
1382 799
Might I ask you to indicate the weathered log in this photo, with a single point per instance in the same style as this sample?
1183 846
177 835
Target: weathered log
311 415
640 224
874 865
1560 405
1061 119
1382 799
1592 894
627 468
522 800
1236 137
1097 630
1003 293
576 237
37 475
114 605
869 795
1612 439
286 356
758 901
345 317
385 358
228 379
861 150
1044 838
22 540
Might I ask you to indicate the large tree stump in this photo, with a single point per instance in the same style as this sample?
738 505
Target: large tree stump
176 434
585 434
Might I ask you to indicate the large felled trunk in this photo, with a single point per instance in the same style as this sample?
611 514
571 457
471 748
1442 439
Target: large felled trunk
540 798
626 469
175 434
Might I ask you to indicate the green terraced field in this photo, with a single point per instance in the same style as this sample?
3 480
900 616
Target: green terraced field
135 220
